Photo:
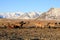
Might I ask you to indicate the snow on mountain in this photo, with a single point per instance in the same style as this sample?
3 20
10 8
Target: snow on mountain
11 15
25 16
33 14
30 15
19 15
2 15
53 13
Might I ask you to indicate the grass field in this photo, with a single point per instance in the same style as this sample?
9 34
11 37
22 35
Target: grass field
30 34
31 29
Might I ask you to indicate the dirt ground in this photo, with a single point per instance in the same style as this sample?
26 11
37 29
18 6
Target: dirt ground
30 34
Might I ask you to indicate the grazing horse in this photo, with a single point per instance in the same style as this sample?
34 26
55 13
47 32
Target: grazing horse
16 26
40 24
52 25
22 23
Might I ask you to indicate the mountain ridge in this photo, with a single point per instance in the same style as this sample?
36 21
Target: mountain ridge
19 15
51 14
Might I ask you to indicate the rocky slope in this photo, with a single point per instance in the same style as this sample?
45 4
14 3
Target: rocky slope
53 13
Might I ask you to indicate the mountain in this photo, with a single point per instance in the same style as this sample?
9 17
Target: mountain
11 15
19 15
30 15
25 16
53 13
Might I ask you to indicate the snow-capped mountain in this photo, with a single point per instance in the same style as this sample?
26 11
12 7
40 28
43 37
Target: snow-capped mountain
53 13
11 15
30 15
25 16
19 15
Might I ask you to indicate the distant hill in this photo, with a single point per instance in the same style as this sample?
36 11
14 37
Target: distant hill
30 15
19 15
53 13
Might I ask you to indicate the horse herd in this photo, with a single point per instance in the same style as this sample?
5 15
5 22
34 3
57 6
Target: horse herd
34 25
9 25
48 24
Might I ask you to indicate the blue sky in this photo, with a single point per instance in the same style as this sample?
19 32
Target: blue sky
28 5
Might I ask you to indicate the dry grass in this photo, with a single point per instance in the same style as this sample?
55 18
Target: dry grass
31 31
29 34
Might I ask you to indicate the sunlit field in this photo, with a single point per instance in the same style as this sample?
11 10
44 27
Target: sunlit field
29 29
